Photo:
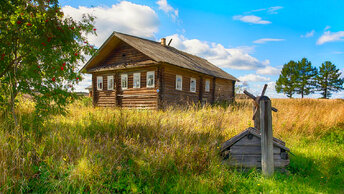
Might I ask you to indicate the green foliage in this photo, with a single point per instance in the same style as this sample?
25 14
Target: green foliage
40 50
305 82
329 80
287 81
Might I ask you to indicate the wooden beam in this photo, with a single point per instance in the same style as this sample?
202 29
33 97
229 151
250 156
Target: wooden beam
267 136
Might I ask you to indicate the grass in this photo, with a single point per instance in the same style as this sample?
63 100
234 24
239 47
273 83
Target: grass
102 150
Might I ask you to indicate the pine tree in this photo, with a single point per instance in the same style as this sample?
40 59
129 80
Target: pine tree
286 82
306 77
328 79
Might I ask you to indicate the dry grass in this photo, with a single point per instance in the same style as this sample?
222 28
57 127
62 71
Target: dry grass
107 150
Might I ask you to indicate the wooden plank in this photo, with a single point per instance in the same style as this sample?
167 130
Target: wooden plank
246 141
266 136
247 149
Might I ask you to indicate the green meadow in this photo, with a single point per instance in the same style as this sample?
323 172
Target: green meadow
107 150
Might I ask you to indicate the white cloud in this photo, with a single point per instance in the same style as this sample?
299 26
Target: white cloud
251 19
163 5
327 27
331 37
308 34
270 10
264 40
268 70
124 17
234 58
253 78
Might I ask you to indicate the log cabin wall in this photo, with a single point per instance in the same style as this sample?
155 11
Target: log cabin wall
172 96
142 97
224 90
124 53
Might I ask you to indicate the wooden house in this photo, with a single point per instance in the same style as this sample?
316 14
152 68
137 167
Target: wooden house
129 71
244 150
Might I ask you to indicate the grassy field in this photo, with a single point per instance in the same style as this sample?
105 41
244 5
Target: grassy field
171 151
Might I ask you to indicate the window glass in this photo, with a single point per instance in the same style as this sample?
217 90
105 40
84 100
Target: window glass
192 85
137 80
207 85
124 81
100 83
179 82
110 82
150 79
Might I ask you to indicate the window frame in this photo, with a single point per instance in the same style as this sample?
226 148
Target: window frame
181 82
195 81
110 77
139 77
124 75
147 74
100 79
207 89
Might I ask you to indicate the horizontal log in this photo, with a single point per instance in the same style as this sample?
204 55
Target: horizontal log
250 149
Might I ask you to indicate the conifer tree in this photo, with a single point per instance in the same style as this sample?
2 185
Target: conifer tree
286 82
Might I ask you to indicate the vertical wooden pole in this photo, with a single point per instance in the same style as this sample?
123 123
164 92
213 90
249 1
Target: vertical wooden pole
256 120
266 132
94 87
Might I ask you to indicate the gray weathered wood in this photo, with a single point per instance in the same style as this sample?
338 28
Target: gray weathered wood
247 141
249 94
251 149
267 136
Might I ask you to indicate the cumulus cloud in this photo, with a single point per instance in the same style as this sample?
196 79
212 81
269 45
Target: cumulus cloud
308 34
327 27
264 40
251 19
168 9
268 70
234 58
330 37
124 17
253 78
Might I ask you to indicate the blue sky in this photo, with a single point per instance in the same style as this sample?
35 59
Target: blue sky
249 39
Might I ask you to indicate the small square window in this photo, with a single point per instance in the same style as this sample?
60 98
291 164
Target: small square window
150 79
192 84
179 82
137 80
110 82
124 81
207 85
99 82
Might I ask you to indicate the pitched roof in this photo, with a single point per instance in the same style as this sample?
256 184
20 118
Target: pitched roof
255 132
167 54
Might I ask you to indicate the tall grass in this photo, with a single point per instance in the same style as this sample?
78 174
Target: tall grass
175 150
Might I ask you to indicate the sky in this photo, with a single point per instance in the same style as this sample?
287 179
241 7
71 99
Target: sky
249 39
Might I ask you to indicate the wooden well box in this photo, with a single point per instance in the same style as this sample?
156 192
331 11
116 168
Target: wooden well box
244 150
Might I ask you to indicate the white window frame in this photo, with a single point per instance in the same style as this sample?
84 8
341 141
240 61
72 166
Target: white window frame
100 81
135 77
207 85
110 80
125 77
147 76
181 82
191 88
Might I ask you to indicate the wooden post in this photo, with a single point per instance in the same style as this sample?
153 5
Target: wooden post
266 132
256 117
94 86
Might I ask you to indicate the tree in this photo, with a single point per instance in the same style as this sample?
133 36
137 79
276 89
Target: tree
286 82
305 82
40 49
328 79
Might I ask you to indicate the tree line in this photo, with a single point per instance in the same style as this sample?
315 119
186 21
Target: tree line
302 78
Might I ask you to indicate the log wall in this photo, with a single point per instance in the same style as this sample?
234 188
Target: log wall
224 90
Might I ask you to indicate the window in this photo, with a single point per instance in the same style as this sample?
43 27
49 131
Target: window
192 84
110 82
207 85
179 82
150 79
124 81
100 83
137 80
